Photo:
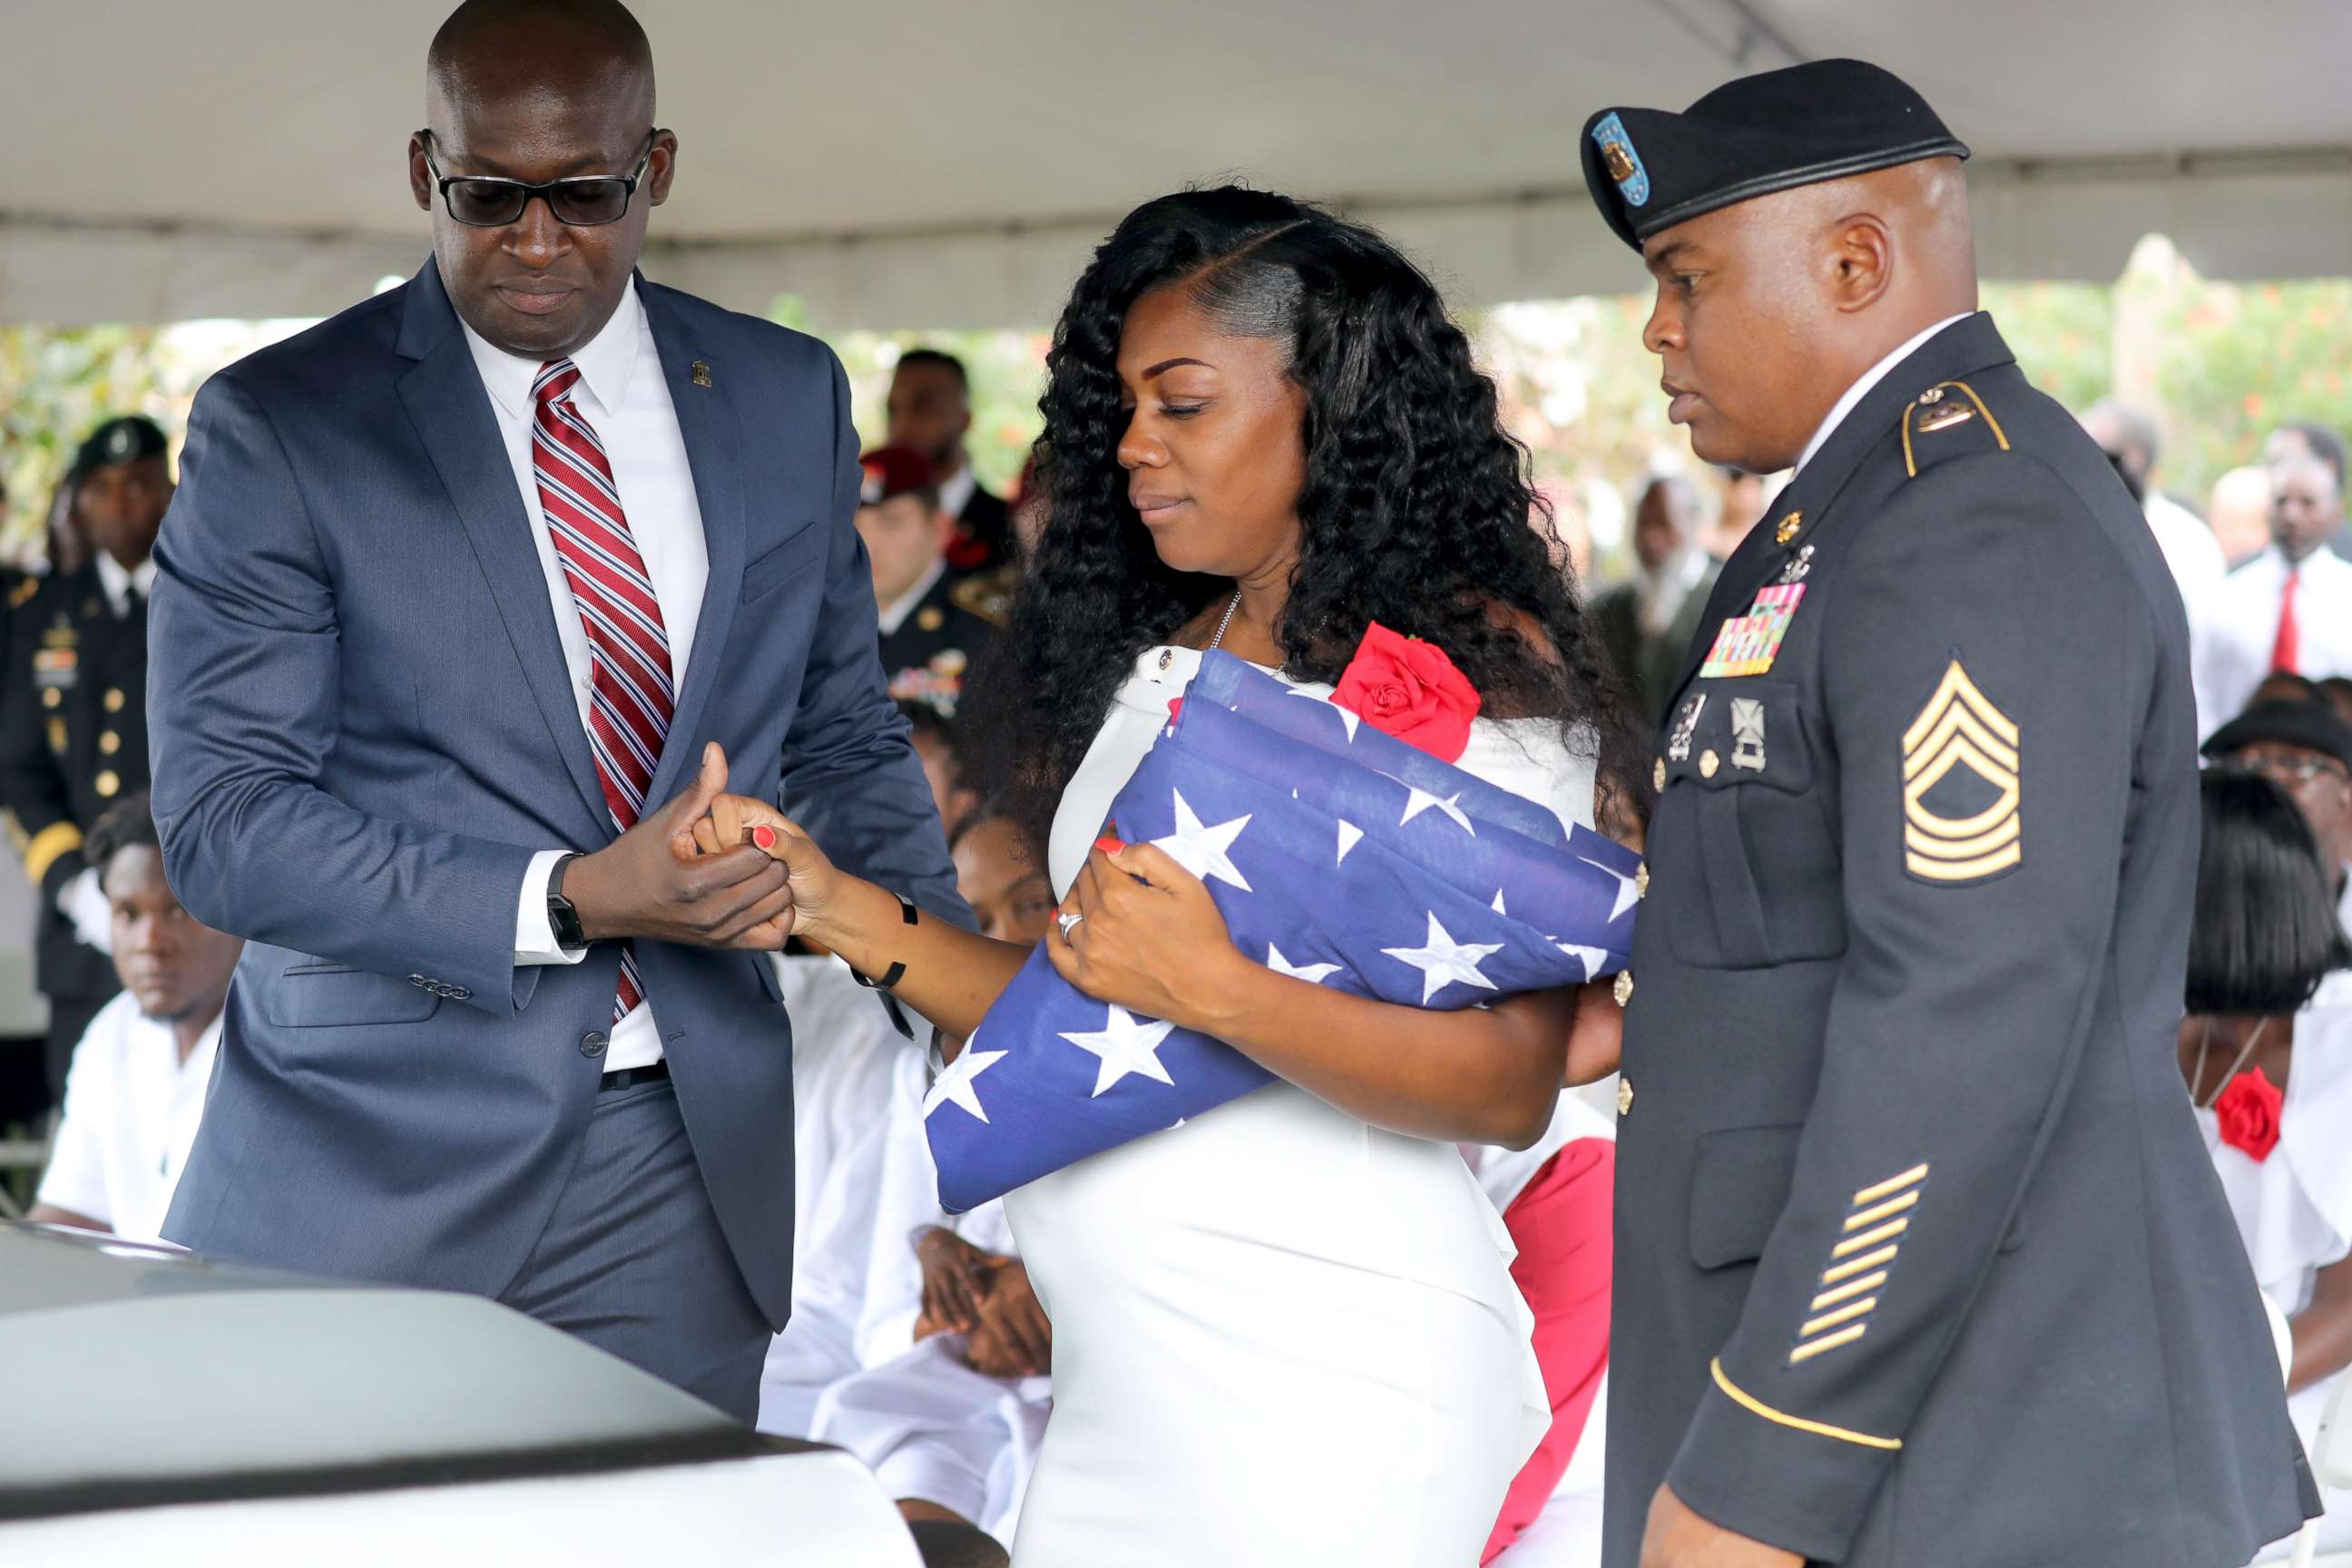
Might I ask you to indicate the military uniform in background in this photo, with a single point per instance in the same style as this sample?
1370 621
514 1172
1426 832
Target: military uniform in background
929 653
73 736
73 740
1919 1258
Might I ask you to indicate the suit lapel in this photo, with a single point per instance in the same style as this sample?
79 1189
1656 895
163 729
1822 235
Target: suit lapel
443 393
700 387
1961 349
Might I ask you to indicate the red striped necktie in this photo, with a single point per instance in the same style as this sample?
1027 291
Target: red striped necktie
632 697
2286 647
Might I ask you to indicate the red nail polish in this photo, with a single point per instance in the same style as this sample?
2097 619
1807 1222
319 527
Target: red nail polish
763 837
1110 845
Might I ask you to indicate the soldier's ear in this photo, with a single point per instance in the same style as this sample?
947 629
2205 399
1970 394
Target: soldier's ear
1862 261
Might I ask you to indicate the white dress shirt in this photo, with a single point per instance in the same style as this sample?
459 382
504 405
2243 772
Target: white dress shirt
624 398
130 1113
119 583
2242 628
955 490
1861 389
894 613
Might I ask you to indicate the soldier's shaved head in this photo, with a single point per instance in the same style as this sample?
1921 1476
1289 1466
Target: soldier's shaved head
1770 308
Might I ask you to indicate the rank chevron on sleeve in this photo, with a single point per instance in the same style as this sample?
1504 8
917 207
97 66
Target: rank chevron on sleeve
1960 732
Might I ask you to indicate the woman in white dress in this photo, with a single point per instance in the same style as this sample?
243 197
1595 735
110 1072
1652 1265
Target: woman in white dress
1284 1332
2266 1052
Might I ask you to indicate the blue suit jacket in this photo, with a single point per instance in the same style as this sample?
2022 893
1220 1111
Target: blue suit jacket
363 729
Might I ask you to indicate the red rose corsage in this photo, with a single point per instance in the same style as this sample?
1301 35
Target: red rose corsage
1409 688
2248 1111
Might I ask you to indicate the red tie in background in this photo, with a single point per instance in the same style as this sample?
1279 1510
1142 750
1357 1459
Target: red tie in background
629 710
2283 651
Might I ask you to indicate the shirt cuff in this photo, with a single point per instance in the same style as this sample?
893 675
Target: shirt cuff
534 936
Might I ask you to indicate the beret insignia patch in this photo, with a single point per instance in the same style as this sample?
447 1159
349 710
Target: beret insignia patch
1625 164
1962 796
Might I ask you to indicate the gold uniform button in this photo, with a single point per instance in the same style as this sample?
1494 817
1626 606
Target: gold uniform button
108 743
1641 881
1624 986
930 619
106 783
1624 1095
1707 763
1788 528
52 697
1658 775
114 699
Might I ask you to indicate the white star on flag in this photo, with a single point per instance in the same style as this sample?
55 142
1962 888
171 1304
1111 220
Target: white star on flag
1444 962
1348 716
1349 833
1629 890
1418 801
1125 1046
1203 851
955 1084
1499 903
1313 974
1592 958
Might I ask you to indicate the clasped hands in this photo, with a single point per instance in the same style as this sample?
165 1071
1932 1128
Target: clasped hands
1137 931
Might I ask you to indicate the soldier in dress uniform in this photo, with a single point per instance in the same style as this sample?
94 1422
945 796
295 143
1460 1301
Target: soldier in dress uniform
73 725
1919 1260
929 637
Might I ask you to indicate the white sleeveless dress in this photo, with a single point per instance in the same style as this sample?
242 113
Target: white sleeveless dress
1281 1336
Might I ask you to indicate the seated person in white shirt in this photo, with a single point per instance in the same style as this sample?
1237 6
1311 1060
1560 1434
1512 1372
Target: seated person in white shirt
951 1424
2266 1053
136 1090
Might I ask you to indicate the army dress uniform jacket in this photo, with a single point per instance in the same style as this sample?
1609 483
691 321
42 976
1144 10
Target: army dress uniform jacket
1919 1258
73 740
927 656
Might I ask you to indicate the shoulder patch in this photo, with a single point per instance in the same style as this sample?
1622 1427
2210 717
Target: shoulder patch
1963 800
1950 405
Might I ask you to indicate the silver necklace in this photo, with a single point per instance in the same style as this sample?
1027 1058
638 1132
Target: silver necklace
2197 1089
1226 621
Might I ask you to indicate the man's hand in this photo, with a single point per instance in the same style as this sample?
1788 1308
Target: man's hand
1677 1538
951 1282
649 882
1014 1338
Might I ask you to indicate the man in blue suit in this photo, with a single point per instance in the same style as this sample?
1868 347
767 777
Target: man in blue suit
471 599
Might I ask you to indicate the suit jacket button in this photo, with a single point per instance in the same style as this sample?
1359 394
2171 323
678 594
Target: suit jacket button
593 1044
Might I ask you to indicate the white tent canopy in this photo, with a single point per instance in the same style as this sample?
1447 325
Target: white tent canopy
941 164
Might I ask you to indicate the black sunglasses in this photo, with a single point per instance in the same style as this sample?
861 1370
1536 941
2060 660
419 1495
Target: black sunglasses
585 200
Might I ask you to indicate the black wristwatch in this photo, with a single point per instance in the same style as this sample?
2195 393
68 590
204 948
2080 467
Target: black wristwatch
562 918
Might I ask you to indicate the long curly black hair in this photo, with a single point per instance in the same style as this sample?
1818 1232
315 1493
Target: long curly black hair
1417 510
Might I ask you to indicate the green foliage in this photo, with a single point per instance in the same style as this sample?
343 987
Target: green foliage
1007 371
2236 361
2063 334
55 386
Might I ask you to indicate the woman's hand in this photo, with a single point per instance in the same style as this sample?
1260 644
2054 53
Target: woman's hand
736 819
953 1282
1157 946
1596 1037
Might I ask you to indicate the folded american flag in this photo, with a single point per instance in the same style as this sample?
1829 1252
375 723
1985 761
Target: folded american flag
1337 854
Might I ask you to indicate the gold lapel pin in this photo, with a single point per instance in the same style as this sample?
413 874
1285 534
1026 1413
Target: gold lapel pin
1789 527
699 373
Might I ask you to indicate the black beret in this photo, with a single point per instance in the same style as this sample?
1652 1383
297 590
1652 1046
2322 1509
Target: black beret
123 440
1649 170
2311 726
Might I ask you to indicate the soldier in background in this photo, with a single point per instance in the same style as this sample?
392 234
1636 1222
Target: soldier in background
73 721
929 639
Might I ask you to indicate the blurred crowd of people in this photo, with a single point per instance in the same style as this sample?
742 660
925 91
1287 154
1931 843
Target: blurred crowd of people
916 1338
